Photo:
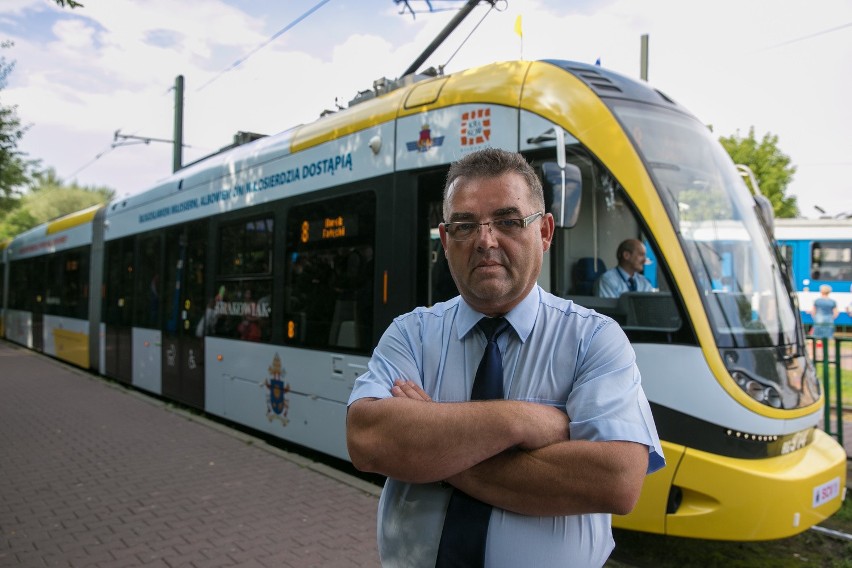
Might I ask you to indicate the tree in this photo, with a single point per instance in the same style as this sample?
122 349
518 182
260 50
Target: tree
71 4
770 165
14 169
48 199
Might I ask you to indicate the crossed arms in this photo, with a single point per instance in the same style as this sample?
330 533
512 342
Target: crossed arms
515 455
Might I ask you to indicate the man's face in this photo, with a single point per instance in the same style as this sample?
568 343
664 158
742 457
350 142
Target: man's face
492 270
636 258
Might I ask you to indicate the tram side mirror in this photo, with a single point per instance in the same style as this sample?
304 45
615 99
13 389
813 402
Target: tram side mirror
562 187
766 212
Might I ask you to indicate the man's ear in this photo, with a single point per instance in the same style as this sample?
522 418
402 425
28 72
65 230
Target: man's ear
548 228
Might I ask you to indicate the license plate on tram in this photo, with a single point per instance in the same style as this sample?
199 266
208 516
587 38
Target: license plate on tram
826 492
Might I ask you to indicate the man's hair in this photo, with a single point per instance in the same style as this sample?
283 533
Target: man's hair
628 245
491 163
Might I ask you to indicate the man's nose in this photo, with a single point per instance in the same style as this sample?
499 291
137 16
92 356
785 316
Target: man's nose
487 234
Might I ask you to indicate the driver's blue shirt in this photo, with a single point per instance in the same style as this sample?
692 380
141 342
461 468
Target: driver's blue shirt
556 353
615 282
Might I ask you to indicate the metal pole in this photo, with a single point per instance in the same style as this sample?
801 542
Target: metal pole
838 389
439 39
826 386
177 162
643 65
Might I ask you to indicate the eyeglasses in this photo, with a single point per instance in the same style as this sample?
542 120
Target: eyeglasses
463 230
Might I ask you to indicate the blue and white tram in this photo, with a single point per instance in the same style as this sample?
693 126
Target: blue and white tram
818 252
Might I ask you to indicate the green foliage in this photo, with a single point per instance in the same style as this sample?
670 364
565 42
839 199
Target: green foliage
14 168
48 199
770 165
29 197
705 205
70 3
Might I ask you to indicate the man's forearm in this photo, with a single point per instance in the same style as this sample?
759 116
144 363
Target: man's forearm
567 478
423 442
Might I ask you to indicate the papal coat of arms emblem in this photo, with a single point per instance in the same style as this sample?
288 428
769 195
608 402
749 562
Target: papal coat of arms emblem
276 392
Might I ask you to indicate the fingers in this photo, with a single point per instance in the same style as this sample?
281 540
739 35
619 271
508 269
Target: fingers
409 389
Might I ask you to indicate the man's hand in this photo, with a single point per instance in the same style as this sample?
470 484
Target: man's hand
409 389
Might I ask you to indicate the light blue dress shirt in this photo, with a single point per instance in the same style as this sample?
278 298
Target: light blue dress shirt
556 353
613 283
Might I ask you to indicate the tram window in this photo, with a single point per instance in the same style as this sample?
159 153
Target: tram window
53 289
330 287
118 281
831 260
17 286
246 247
149 282
241 307
75 283
607 219
26 283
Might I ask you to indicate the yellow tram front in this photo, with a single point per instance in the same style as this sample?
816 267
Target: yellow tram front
718 338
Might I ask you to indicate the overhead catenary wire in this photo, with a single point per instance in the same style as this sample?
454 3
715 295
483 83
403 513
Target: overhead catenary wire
405 6
482 19
112 145
809 36
234 65
272 38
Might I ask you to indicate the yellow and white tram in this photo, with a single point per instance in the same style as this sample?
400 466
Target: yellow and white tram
253 284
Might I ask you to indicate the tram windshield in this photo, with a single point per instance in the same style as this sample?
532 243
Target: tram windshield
730 254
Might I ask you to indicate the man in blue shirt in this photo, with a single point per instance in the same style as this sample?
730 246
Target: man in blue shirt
627 275
571 439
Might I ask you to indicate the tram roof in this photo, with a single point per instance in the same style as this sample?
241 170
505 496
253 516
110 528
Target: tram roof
500 83
813 229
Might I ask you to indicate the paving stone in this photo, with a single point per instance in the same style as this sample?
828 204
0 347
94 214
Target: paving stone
100 476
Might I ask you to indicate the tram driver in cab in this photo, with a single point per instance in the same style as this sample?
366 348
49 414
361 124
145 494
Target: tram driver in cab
627 275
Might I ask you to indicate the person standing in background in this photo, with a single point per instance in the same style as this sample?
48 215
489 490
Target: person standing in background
824 313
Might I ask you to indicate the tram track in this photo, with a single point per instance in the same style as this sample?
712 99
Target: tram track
839 535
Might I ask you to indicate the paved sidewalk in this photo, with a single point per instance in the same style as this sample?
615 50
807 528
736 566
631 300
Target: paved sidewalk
95 475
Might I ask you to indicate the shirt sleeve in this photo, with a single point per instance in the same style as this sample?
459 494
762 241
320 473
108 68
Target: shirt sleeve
393 358
607 401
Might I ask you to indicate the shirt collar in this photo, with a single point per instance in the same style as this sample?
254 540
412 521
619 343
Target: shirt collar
521 318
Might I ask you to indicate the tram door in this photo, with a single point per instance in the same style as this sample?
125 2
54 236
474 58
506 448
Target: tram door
39 300
436 283
183 295
117 309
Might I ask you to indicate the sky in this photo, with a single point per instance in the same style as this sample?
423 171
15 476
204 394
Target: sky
266 66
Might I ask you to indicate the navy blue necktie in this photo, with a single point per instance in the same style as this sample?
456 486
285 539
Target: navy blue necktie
466 524
631 284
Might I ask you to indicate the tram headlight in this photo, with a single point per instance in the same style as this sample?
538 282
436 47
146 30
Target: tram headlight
772 397
765 394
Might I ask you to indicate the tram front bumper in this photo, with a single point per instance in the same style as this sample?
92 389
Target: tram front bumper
758 499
